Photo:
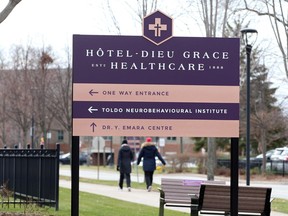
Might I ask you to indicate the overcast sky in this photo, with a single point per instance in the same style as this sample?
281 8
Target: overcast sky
48 22
53 22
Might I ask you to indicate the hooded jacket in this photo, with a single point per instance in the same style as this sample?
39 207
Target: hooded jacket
125 157
149 152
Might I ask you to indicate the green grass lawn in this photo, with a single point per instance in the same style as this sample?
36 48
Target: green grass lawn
97 205
279 205
92 205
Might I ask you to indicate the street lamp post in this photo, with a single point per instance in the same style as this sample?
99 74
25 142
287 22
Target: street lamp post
249 38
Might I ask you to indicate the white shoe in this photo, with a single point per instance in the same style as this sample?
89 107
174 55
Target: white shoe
129 189
149 188
120 189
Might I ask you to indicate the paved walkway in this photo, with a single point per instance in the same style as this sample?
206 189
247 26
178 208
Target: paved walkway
136 195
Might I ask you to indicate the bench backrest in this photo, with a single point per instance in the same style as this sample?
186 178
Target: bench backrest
178 189
250 199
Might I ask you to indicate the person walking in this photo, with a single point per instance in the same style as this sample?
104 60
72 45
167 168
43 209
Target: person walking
148 152
125 156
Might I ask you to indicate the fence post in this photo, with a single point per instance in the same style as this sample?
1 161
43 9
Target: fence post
27 170
40 173
14 173
57 176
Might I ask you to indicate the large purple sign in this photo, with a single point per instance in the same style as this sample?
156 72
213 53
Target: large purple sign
179 61
130 86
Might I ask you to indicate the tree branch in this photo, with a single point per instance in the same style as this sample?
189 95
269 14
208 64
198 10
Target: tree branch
264 14
8 9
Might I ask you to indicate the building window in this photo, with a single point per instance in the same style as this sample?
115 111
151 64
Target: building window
108 138
171 138
60 135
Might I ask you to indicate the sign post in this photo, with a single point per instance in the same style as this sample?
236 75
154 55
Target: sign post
155 85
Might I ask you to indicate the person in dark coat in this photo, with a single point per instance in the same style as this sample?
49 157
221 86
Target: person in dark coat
149 152
125 156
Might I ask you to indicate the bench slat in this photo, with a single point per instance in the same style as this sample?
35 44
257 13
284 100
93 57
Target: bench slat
250 199
177 193
179 189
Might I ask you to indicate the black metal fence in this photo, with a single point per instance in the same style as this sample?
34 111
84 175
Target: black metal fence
30 176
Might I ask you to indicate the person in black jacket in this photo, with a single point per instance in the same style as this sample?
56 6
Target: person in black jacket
125 156
149 152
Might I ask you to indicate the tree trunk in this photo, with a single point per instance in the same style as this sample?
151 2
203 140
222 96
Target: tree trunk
211 159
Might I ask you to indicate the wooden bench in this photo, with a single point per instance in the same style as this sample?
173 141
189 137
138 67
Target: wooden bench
181 193
215 199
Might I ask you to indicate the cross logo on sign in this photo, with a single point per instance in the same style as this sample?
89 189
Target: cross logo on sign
157 27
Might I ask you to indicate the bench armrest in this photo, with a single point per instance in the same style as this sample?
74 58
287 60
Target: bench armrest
194 204
194 196
162 193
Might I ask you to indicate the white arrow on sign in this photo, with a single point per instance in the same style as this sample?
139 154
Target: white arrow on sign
91 110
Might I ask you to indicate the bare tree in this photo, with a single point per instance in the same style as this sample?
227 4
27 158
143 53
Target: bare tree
114 19
145 7
276 11
9 131
17 83
264 122
26 100
2 61
8 9
19 106
41 79
214 15
139 9
60 93
3 116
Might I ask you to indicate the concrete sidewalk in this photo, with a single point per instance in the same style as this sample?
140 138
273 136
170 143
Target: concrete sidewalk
135 196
